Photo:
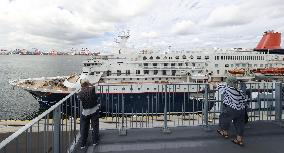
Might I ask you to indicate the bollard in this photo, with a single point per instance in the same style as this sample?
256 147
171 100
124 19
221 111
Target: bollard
278 102
166 129
56 132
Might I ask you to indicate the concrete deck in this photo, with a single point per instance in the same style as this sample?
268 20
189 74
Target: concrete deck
260 137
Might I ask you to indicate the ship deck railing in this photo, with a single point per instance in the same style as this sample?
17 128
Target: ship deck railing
57 129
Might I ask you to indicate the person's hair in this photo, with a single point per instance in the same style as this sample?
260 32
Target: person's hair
232 81
84 83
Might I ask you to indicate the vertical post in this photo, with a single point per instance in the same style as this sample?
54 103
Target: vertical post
56 132
278 102
122 130
205 106
166 128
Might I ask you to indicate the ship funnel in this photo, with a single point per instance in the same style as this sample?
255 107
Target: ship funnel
269 40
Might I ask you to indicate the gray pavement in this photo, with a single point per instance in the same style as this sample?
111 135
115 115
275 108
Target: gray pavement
260 137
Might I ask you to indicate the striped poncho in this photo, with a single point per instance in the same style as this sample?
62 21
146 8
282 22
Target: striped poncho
233 97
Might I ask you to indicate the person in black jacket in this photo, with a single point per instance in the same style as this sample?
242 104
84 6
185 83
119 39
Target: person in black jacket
90 112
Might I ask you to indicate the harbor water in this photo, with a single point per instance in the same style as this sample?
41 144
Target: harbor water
17 103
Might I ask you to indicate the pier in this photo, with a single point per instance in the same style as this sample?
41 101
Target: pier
57 129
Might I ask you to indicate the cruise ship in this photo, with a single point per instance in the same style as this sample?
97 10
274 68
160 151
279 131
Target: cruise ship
141 75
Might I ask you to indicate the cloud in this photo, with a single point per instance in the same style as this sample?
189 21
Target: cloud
227 16
150 34
185 27
68 23
64 24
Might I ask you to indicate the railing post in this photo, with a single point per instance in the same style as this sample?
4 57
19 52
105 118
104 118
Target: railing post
122 130
165 127
56 130
205 107
278 102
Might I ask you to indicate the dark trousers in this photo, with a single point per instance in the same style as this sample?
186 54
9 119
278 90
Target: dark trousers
237 116
85 126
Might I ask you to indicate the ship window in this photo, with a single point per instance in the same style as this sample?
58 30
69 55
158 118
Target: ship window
155 72
98 72
170 57
160 78
243 65
118 72
92 73
232 65
191 57
152 78
137 71
216 65
206 57
177 57
165 57
164 72
237 65
261 65
130 78
155 88
123 79
217 57
179 64
173 72
250 65
183 57
255 65
221 57
158 57
147 88
154 64
108 73
138 88
144 58
173 64
145 64
165 64
198 57
226 65
146 79
151 58
146 71
127 72
137 78
218 71
123 88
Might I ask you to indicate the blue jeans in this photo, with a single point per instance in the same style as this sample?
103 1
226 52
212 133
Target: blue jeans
85 126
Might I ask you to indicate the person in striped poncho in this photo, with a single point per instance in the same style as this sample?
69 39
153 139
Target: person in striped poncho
234 103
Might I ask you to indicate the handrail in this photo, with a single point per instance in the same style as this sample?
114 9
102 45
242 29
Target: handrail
35 120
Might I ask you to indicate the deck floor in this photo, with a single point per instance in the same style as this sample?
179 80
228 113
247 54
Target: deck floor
260 137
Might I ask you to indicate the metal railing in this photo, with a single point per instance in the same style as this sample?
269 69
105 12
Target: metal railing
55 130
164 106
184 105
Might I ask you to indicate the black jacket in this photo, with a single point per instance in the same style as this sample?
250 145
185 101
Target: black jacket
88 97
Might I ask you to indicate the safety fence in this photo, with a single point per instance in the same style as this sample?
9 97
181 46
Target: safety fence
55 130
126 106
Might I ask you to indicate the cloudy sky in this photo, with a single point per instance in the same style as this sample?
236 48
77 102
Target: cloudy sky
182 24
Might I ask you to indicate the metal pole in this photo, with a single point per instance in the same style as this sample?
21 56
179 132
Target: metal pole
278 102
122 130
165 128
56 132
205 109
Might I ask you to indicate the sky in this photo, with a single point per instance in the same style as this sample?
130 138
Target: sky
153 24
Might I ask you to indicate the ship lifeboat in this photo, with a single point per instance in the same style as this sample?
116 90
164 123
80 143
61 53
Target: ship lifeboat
272 71
237 71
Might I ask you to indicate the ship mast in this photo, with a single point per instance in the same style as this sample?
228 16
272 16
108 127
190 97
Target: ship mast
123 37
